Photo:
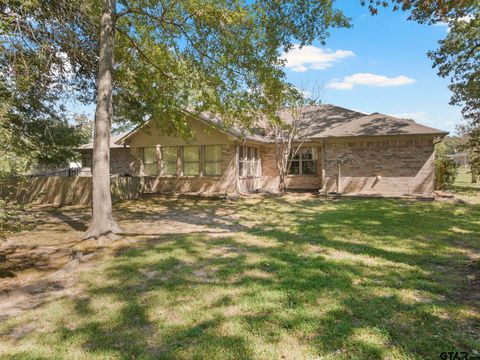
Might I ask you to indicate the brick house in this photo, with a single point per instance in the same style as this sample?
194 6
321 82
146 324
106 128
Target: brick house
345 152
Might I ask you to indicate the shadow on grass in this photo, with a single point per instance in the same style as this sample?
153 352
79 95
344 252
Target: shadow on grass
351 279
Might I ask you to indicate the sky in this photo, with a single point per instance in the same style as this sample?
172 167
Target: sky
379 65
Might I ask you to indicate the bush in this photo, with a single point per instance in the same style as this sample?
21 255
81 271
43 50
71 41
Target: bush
445 173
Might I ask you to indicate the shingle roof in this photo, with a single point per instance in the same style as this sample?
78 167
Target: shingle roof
380 125
325 121
316 121
113 142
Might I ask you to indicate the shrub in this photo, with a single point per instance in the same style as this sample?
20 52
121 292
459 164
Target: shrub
445 173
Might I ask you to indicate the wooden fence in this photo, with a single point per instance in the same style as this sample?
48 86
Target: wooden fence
59 190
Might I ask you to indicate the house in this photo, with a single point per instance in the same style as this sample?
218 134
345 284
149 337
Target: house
344 151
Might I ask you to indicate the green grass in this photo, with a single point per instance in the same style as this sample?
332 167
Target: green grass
464 188
464 179
291 278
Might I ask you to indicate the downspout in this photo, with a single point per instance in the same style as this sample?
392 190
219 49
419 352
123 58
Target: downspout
324 152
339 183
237 158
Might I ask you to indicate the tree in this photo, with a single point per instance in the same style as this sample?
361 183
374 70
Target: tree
458 57
289 135
445 172
43 58
218 56
426 11
471 145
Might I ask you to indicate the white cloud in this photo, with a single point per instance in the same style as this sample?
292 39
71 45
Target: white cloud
369 79
446 25
311 57
466 18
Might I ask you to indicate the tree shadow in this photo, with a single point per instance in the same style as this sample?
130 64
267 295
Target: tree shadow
351 279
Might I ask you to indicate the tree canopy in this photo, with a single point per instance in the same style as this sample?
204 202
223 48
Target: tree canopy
154 57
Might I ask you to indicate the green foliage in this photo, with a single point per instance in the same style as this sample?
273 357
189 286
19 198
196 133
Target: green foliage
221 57
445 173
452 144
217 56
430 11
471 145
459 58
42 62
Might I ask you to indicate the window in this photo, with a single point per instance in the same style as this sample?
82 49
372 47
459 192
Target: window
169 160
86 160
248 161
212 160
150 167
304 162
191 160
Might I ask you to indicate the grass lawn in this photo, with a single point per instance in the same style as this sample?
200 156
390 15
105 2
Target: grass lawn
265 278
463 187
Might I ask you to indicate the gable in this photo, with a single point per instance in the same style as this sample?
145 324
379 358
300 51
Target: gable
151 134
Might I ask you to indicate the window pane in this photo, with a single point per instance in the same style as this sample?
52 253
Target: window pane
149 155
251 168
241 153
213 153
309 167
86 160
150 169
169 154
242 171
294 168
309 153
190 153
255 167
191 168
296 157
212 169
170 168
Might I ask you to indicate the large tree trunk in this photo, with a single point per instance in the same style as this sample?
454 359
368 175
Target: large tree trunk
102 219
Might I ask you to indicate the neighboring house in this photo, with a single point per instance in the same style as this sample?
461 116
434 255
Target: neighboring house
345 152
460 159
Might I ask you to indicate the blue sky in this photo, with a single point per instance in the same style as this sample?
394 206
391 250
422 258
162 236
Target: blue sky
379 65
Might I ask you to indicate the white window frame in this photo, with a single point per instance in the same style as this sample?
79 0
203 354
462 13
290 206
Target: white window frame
205 162
199 149
300 161
164 162
249 159
149 162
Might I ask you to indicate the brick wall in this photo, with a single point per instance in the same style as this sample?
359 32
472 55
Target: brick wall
389 166
395 166
121 161
270 179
